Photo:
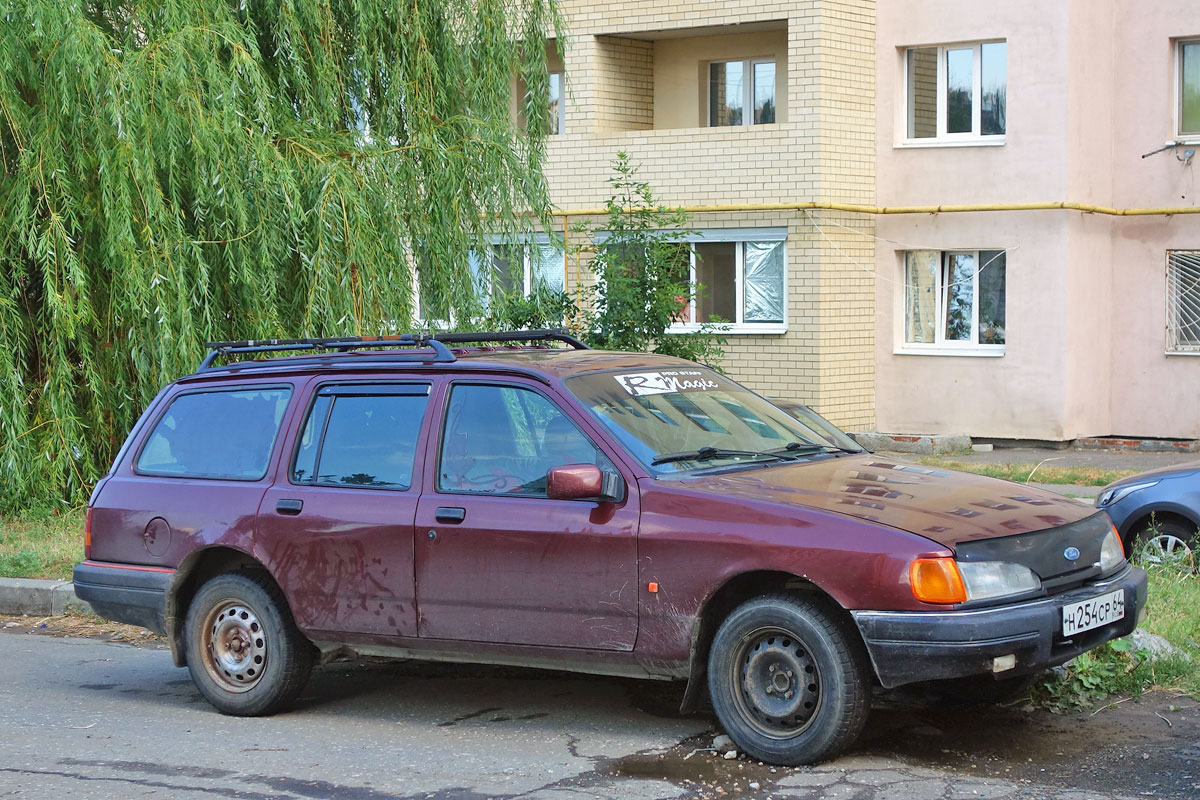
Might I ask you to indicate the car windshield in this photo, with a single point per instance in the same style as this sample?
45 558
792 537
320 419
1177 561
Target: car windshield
683 419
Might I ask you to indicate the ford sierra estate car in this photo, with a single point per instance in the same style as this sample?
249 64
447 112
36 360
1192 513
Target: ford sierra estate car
516 498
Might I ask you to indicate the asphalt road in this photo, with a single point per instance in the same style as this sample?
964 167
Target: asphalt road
95 719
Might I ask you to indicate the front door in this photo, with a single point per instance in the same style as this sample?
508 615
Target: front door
497 561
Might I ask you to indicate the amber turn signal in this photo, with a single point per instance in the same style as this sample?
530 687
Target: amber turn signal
937 580
87 534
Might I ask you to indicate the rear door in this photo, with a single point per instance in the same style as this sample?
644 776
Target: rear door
497 561
336 529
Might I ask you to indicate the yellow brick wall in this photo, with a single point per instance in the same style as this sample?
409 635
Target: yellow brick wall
824 151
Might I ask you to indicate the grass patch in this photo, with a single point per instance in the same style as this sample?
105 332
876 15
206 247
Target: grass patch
41 545
1020 473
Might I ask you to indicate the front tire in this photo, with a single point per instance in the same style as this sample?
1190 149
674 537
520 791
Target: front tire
243 650
789 680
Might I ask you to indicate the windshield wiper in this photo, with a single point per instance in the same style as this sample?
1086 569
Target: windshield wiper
800 448
709 453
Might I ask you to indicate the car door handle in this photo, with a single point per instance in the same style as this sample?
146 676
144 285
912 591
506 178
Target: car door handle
446 514
290 507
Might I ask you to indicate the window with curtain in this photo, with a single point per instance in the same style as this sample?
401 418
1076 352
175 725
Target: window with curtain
954 299
739 277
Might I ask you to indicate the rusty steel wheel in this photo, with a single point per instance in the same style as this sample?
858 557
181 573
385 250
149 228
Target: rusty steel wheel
235 646
243 649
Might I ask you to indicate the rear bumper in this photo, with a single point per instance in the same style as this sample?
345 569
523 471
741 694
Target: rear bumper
910 646
125 593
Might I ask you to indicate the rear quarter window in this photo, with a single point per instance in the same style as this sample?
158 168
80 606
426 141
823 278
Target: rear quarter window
220 434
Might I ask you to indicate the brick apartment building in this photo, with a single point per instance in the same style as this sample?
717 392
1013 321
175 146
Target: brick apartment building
1042 324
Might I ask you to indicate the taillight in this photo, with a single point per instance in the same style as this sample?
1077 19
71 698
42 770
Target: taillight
87 534
937 580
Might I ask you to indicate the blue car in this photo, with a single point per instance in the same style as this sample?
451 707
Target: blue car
1157 513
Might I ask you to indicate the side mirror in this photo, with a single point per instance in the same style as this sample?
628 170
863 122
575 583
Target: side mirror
584 482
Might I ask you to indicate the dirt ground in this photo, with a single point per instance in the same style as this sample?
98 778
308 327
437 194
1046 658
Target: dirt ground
80 625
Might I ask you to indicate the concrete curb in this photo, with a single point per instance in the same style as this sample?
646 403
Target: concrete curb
37 598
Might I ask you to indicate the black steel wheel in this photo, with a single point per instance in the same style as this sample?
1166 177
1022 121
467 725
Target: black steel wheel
243 650
789 679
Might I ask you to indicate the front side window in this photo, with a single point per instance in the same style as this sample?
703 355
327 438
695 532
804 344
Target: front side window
688 419
361 436
954 298
741 92
1189 89
221 435
738 279
1183 301
504 439
956 92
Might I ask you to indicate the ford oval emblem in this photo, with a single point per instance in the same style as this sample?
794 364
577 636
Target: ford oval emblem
1071 554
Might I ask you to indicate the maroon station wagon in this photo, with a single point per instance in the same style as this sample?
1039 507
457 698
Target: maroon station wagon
525 502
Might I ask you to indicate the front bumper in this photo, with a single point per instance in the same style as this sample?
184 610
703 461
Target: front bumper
125 593
910 646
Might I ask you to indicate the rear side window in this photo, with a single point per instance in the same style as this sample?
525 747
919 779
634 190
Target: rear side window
361 436
226 434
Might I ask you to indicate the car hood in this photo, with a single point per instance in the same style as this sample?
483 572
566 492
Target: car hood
940 504
1158 473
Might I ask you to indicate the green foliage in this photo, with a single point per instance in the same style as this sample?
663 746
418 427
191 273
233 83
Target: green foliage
1113 667
174 173
642 275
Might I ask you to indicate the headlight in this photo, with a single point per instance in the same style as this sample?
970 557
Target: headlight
989 579
1110 496
1112 552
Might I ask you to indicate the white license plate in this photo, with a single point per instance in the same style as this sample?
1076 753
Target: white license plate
1093 613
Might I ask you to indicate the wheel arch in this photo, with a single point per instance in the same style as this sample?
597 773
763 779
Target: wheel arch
1157 511
192 573
728 596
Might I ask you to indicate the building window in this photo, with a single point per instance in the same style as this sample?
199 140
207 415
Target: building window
954 299
1189 89
1183 301
558 109
741 92
956 92
740 278
518 267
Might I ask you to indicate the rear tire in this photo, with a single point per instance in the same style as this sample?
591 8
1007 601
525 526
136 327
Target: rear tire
789 680
244 651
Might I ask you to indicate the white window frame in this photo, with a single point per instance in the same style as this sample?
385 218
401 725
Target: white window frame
1172 320
739 236
536 240
1192 137
942 346
747 90
562 105
943 139
528 244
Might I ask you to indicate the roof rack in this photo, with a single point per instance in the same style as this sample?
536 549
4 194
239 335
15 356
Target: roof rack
539 335
345 344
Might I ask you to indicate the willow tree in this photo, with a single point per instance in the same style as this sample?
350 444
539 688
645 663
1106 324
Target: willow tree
180 171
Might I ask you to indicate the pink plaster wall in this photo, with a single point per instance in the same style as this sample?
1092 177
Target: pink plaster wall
1090 88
